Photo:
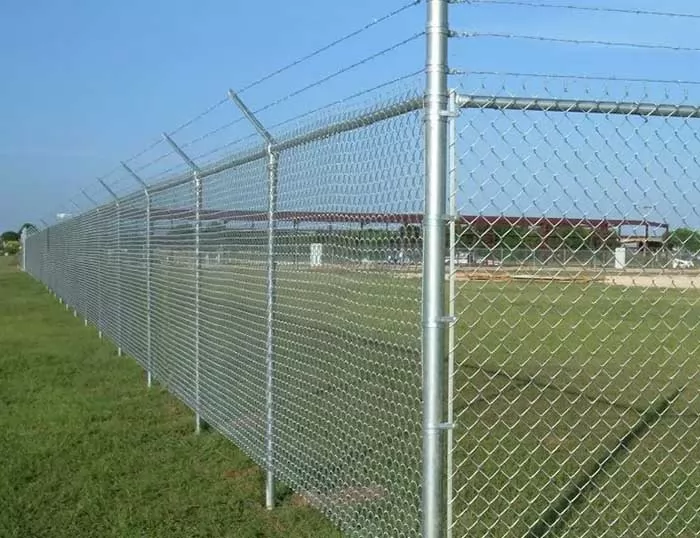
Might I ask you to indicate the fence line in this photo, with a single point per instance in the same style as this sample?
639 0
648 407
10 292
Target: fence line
324 300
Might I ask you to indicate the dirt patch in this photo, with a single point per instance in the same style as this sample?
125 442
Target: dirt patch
240 474
299 500
506 276
678 281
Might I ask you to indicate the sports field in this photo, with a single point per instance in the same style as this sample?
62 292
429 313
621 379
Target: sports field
576 403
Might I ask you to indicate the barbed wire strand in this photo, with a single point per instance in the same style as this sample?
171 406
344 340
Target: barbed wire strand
308 87
155 161
289 120
212 132
571 41
144 151
227 145
279 71
339 72
345 99
294 118
199 116
269 76
330 45
600 9
461 72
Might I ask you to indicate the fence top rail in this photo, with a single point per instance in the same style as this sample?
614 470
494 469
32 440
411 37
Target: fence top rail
361 120
624 108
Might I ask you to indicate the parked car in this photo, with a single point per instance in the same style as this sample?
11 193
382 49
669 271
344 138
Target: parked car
679 263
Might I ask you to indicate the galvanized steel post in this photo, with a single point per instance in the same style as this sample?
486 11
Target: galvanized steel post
147 256
451 312
272 167
434 319
149 301
119 267
197 176
197 292
269 359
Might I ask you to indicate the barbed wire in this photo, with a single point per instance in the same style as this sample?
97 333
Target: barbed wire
218 149
154 161
199 116
339 72
297 62
212 132
345 99
330 45
462 72
144 151
573 7
572 41
300 116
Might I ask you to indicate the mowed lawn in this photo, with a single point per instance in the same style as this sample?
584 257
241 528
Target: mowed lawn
576 405
577 410
87 450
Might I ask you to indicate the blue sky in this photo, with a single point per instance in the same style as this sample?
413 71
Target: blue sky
87 84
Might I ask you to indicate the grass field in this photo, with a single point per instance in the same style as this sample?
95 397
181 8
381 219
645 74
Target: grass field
577 410
576 404
87 450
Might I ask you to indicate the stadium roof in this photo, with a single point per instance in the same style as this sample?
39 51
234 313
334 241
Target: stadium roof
481 221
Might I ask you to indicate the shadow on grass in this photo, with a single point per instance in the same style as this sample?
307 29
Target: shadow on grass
558 511
520 381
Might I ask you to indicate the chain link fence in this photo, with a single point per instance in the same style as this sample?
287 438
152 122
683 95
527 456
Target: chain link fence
460 313
261 294
574 369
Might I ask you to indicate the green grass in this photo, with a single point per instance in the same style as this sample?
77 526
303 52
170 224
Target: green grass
551 380
87 450
577 397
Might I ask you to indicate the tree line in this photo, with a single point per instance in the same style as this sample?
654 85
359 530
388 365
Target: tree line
410 236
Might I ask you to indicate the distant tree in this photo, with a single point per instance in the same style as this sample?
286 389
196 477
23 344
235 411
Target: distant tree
11 247
683 238
9 235
29 227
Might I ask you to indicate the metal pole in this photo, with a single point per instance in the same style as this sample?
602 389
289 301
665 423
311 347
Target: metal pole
198 265
433 491
24 249
197 290
272 169
269 359
181 153
149 304
119 267
452 165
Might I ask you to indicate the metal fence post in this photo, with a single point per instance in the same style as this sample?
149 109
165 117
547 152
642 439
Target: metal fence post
269 360
23 237
433 501
454 215
271 271
197 293
98 322
149 303
198 192
119 267
149 300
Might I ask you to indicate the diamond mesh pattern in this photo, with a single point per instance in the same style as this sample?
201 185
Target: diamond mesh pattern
575 351
334 410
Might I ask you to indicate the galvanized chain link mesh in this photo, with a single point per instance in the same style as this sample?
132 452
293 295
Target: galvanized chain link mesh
278 293
575 353
327 395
